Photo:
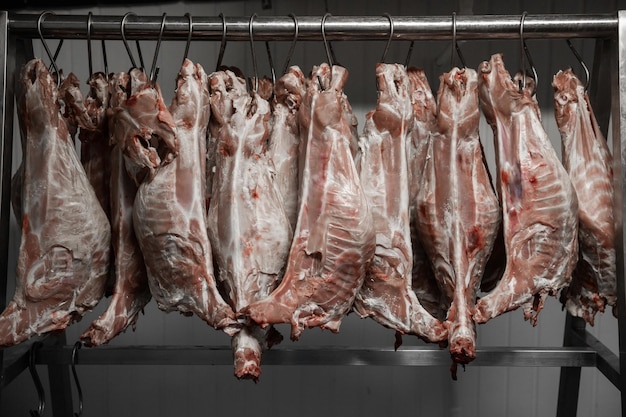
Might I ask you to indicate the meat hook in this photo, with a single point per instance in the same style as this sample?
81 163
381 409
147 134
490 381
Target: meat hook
330 53
407 60
388 16
293 43
188 36
222 43
77 346
455 45
45 46
525 56
89 56
104 58
254 67
38 385
123 32
269 58
154 70
581 62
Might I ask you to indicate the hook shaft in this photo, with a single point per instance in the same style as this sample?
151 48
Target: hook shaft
222 43
271 62
388 16
89 56
45 45
407 60
154 70
254 66
79 390
581 62
104 58
123 31
326 45
38 385
293 43
455 45
525 56
188 36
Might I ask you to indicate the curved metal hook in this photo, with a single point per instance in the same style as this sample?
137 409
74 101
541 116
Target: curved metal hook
271 62
89 56
123 31
388 16
256 76
222 43
45 46
525 56
154 70
326 44
581 62
79 390
104 58
38 385
408 54
455 44
188 36
293 43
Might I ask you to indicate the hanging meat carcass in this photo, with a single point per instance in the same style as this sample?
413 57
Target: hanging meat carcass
169 213
334 240
424 122
457 208
131 292
95 150
285 138
386 294
587 159
248 228
63 261
143 128
539 204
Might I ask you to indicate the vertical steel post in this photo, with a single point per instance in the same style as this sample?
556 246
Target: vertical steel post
619 170
7 67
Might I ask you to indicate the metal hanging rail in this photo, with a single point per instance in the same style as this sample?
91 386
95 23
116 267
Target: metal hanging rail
346 28
580 348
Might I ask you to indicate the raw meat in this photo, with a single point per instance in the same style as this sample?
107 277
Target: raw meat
248 228
169 214
131 291
63 261
95 151
334 240
386 294
424 122
144 128
539 204
285 138
457 208
587 159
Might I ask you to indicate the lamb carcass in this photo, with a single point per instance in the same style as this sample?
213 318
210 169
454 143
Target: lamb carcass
457 208
285 138
248 228
334 240
539 203
130 292
424 122
169 213
63 261
95 150
144 128
386 294
587 159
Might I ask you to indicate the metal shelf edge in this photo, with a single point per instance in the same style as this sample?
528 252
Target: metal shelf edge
324 356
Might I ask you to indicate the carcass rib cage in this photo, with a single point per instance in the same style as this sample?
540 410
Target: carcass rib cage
580 348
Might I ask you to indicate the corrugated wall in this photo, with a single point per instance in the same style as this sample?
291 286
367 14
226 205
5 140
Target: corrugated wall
349 391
